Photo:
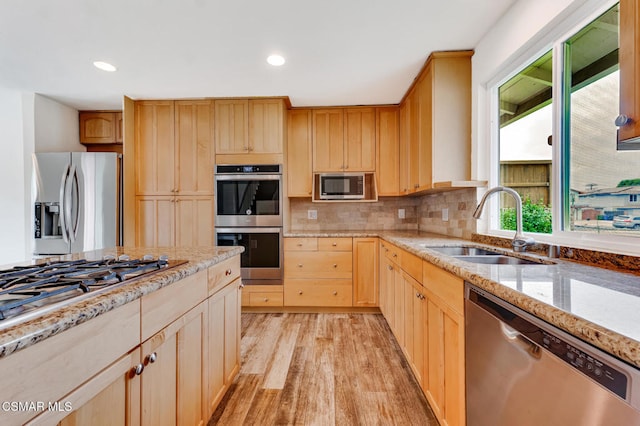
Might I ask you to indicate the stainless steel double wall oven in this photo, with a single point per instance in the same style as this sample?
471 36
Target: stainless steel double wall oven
249 214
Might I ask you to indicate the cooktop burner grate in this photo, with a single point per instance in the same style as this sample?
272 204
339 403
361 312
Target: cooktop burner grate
24 288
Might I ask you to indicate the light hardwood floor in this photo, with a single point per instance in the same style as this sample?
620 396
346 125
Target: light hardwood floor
322 369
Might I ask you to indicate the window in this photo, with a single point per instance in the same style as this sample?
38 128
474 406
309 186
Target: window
596 181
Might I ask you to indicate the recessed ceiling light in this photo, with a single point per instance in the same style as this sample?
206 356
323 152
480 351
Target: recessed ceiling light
104 66
275 60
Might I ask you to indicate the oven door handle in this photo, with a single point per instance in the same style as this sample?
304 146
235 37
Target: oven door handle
252 178
252 230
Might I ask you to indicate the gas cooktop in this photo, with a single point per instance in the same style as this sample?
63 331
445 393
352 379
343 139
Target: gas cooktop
27 288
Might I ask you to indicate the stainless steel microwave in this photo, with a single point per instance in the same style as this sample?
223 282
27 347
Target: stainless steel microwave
342 186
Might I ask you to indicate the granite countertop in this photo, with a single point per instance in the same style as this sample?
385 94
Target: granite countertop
597 305
21 332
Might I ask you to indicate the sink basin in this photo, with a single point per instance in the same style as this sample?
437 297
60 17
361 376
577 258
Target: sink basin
463 251
498 260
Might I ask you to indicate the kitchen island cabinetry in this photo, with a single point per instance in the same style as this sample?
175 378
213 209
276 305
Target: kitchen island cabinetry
629 56
146 362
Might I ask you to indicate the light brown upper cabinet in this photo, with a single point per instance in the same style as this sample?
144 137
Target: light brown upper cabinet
100 127
435 124
173 173
249 126
174 147
388 134
299 153
629 57
344 140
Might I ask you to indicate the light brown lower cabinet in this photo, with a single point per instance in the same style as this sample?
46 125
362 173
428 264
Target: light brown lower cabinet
189 355
365 272
427 319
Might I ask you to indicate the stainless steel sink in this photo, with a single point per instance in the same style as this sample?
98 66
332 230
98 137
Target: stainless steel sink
463 251
498 260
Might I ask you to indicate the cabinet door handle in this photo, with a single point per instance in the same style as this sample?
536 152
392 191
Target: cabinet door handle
390 267
622 120
299 244
335 293
266 299
227 272
335 265
137 370
395 254
335 244
299 265
300 292
151 358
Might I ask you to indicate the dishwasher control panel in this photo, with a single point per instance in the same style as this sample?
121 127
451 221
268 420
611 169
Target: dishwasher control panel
586 363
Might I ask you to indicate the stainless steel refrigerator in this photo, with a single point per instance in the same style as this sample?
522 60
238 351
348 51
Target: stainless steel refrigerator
77 201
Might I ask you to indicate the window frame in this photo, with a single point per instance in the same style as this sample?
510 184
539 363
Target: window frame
550 39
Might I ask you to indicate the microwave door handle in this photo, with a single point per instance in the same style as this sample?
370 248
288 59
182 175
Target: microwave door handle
63 205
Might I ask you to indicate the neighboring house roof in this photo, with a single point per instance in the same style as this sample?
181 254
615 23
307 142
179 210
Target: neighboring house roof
622 190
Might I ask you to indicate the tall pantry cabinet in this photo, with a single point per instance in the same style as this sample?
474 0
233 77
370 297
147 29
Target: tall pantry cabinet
173 145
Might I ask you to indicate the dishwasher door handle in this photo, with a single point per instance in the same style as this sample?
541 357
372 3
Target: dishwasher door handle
516 338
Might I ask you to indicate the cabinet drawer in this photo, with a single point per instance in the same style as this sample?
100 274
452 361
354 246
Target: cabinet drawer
391 252
265 299
310 292
335 244
300 244
411 264
184 295
223 273
446 286
318 265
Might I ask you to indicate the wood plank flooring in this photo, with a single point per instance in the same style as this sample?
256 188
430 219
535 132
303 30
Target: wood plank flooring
321 369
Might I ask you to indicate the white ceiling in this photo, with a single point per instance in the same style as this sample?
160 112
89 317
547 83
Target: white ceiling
339 52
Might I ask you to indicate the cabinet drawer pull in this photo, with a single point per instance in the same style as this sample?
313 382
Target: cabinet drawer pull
395 254
299 244
266 299
335 293
137 370
299 265
227 272
335 244
335 265
300 292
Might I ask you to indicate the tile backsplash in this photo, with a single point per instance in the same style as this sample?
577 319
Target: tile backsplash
422 212
460 205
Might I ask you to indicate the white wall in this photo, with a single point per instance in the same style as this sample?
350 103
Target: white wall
13 244
29 123
56 126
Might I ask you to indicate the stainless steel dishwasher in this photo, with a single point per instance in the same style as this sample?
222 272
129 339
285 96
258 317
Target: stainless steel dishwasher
522 371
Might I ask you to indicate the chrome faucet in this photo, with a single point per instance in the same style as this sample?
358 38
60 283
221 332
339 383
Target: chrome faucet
520 242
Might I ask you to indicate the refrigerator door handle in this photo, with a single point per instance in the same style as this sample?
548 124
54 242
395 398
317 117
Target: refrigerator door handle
74 203
63 205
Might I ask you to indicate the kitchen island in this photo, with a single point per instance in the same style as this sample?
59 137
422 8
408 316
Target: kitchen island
161 348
